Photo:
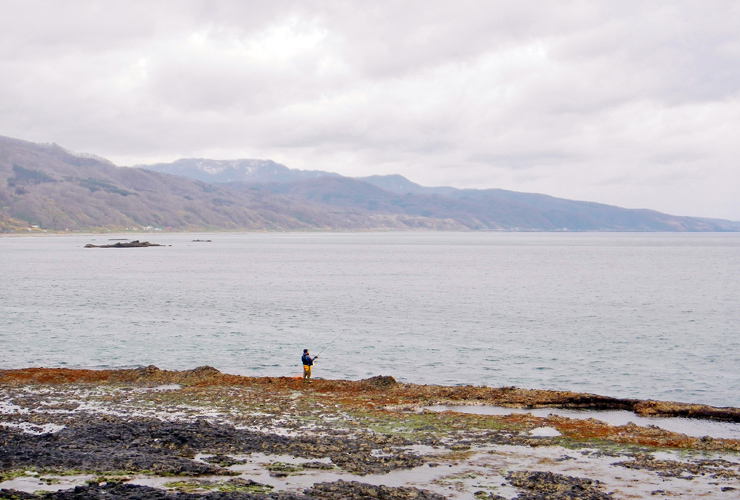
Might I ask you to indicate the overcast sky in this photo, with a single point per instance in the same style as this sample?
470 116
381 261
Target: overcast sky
631 103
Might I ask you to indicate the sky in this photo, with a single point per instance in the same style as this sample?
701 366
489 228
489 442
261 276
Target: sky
629 103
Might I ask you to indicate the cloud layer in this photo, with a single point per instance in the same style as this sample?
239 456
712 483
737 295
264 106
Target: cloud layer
635 104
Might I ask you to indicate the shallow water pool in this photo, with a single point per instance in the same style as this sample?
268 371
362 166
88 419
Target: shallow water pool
688 426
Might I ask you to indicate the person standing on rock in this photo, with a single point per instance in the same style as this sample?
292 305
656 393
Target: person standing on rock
307 363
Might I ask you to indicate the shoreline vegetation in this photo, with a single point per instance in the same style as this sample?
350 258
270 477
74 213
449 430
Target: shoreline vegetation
152 433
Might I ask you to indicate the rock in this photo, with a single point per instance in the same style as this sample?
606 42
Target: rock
685 470
353 490
380 382
223 460
550 486
339 490
674 409
484 495
107 443
131 244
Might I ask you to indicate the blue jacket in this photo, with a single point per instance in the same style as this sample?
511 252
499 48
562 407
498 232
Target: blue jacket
307 360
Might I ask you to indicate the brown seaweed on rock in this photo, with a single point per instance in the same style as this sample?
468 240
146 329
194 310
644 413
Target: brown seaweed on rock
386 389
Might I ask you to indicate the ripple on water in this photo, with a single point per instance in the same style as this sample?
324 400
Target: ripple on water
604 314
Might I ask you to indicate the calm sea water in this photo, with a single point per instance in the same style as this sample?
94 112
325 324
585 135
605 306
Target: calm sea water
627 315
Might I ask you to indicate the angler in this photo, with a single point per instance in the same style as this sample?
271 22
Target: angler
307 363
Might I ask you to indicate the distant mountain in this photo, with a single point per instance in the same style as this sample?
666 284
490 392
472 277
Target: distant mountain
47 186
548 213
484 210
233 170
468 209
399 184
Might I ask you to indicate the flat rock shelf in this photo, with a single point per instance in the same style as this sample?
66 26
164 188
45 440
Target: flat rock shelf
150 433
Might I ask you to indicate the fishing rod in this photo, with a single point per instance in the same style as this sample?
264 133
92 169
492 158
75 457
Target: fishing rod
330 343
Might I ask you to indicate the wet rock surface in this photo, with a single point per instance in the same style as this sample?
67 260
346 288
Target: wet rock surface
356 490
549 486
411 395
381 382
350 490
168 447
714 468
212 430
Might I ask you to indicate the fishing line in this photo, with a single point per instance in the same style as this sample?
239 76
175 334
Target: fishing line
330 343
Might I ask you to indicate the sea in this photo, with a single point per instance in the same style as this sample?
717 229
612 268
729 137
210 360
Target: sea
634 315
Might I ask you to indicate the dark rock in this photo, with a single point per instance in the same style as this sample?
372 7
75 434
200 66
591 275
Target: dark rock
131 244
352 490
202 372
683 470
144 444
147 372
339 490
380 382
223 460
550 486
686 410
484 495
317 465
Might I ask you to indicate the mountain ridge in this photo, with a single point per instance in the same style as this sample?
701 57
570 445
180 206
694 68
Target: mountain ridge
562 214
52 188
224 171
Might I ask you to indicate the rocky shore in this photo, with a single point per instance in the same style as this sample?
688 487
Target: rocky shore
148 433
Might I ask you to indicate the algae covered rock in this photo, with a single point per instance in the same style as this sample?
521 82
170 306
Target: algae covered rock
380 382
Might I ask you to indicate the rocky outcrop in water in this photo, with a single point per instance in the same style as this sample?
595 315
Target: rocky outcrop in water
130 244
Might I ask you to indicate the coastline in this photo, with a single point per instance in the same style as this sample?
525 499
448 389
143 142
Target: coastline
123 431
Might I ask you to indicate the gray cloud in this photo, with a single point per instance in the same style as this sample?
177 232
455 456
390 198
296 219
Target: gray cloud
631 103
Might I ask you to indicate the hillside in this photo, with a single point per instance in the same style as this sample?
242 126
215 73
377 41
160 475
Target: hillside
556 213
492 209
50 187
468 209
47 186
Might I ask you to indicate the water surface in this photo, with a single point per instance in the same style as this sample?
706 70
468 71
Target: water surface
651 316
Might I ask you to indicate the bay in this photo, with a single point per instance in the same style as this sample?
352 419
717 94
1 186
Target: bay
641 315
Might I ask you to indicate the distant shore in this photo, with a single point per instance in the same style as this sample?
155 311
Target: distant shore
125 433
